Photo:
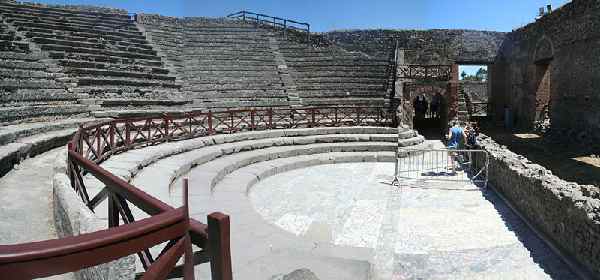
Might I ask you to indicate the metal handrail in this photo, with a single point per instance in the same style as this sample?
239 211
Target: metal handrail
275 22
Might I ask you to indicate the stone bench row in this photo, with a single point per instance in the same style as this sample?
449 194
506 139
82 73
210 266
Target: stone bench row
115 73
218 89
220 67
99 52
124 91
86 80
353 101
73 28
18 142
61 55
242 141
39 95
84 65
15 83
25 7
95 45
79 22
83 36
19 113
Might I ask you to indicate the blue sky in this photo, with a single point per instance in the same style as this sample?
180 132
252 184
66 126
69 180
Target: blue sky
325 15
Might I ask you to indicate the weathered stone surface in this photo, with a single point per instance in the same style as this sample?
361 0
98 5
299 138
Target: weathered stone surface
565 41
566 213
440 46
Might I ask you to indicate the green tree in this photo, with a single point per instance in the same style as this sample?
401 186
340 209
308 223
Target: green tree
463 75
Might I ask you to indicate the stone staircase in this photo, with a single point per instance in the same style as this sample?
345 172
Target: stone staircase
230 64
31 86
104 54
463 112
329 75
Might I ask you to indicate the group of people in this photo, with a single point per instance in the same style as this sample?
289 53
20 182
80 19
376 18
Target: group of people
461 138
424 108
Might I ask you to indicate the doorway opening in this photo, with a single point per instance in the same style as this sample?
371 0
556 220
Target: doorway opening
430 107
542 93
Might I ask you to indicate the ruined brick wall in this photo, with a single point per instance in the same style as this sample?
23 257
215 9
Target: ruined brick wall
436 46
567 213
567 41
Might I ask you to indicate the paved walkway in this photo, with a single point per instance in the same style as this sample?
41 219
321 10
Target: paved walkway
434 231
26 202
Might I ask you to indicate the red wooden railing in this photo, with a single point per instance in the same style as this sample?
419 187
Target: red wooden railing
96 142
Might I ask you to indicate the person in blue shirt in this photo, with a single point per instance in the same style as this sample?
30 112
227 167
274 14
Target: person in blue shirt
456 135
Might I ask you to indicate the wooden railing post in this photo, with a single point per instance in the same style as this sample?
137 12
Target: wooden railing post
111 135
113 211
252 124
312 118
270 117
218 240
166 123
127 134
210 123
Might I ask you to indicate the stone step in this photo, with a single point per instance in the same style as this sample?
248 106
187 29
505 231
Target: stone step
105 81
12 133
229 73
216 90
340 93
128 91
84 36
26 74
25 95
11 56
22 113
340 85
132 161
51 11
105 59
106 66
267 61
325 80
98 46
14 84
344 101
98 73
98 52
74 28
217 79
78 22
207 67
217 102
242 94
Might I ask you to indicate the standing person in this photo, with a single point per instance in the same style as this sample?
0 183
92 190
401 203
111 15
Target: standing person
435 105
456 134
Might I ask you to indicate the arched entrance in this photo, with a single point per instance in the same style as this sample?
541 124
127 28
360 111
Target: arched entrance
429 101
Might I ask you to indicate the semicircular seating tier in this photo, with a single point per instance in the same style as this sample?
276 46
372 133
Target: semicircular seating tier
245 158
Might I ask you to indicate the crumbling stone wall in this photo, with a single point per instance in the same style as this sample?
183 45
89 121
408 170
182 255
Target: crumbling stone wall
567 39
567 213
437 46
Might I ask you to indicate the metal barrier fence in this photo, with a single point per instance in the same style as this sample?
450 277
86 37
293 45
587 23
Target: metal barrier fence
442 165
275 22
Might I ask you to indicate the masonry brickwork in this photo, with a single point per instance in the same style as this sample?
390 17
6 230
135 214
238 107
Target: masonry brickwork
553 62
566 213
437 46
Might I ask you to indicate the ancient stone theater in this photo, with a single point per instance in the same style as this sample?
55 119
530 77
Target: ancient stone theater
248 146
